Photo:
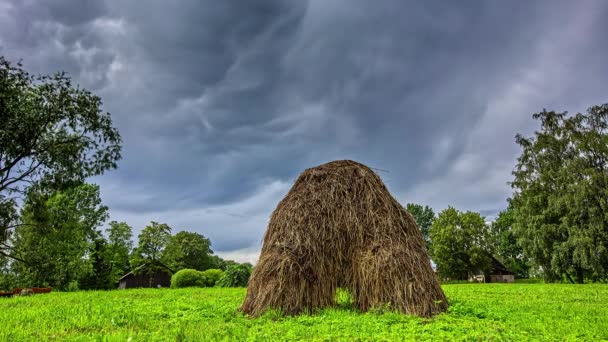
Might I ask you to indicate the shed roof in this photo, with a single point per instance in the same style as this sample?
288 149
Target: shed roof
498 266
155 263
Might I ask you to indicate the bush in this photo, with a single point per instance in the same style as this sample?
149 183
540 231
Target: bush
72 286
188 278
213 275
8 281
235 276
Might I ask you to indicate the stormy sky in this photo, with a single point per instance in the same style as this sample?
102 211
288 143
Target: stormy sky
221 104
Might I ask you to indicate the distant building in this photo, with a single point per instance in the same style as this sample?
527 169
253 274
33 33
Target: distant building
153 274
498 273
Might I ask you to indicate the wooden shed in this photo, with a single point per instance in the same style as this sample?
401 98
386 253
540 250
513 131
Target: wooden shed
498 274
153 274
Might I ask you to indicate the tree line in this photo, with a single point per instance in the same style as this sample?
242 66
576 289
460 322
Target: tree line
462 244
556 222
59 243
54 136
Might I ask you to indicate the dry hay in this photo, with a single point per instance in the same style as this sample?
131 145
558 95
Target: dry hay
340 227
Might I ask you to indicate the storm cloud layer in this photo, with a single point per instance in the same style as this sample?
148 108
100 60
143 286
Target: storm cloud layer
222 104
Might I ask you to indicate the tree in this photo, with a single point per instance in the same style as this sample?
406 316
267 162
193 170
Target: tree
8 219
460 245
188 250
8 278
560 190
100 278
424 217
222 264
51 134
119 248
58 235
505 245
152 241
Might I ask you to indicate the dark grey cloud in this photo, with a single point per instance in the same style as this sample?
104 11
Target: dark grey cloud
224 102
57 35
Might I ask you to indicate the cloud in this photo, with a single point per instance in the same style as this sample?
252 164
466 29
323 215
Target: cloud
222 103
237 226
478 178
250 255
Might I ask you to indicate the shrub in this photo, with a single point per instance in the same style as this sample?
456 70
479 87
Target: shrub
72 286
235 276
213 275
188 278
8 281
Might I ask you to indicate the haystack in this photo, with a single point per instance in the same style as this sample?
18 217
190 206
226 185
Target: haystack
339 227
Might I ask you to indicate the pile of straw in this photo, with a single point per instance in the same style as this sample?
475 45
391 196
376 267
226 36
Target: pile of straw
340 227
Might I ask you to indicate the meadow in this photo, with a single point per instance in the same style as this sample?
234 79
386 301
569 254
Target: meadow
509 312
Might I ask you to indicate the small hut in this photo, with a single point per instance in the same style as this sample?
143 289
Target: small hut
497 273
339 227
153 274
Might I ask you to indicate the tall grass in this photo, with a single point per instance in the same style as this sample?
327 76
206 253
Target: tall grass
514 312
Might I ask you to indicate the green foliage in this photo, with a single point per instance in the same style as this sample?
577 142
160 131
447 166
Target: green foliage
59 231
152 242
101 276
424 216
72 286
8 281
561 186
52 135
235 276
8 222
188 250
118 249
479 312
213 275
189 278
504 242
221 263
460 244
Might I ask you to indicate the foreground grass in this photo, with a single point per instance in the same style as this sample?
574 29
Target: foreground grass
478 312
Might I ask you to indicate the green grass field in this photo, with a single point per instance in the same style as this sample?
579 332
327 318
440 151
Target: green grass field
513 312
